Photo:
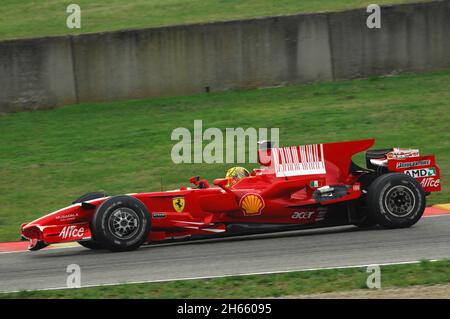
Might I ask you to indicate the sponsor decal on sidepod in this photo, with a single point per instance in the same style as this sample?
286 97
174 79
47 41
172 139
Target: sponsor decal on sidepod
71 231
302 215
430 182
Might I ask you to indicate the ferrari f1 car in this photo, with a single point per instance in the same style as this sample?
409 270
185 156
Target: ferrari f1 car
296 187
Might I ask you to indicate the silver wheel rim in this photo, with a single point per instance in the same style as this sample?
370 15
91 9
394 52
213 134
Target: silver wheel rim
400 201
123 223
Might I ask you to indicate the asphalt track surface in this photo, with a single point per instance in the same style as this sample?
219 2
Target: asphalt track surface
262 253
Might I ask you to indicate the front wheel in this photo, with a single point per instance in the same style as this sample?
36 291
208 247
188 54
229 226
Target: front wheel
395 200
88 197
121 223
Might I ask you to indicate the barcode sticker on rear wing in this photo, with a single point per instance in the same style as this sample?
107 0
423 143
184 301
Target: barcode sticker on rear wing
299 160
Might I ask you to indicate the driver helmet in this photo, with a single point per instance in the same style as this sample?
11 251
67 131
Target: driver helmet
235 174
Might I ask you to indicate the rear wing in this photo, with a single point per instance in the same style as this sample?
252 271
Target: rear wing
422 168
313 159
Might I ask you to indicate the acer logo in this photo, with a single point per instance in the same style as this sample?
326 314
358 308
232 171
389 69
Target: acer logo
71 231
302 215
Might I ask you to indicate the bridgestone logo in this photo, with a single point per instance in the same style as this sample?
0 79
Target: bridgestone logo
413 164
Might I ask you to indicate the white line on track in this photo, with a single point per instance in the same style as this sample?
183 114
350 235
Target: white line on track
232 275
27 251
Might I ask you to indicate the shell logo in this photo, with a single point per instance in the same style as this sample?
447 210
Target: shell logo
252 204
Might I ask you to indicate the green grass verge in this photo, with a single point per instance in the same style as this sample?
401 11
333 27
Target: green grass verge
31 18
260 286
49 158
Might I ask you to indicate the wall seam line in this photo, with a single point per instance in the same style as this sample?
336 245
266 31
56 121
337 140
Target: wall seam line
330 45
75 78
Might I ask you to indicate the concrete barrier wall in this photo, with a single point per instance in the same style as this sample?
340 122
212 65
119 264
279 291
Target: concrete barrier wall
198 58
188 59
411 38
36 74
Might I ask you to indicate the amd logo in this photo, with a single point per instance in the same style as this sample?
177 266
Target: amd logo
421 172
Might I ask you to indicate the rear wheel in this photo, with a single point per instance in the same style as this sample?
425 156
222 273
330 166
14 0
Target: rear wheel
395 200
362 218
376 154
365 222
121 223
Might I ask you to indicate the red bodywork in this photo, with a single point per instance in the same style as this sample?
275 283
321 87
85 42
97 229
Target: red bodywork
282 192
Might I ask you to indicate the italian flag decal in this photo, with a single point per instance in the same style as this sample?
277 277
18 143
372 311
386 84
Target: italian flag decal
314 184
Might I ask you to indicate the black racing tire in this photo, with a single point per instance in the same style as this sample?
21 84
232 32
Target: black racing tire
121 223
91 244
88 197
363 219
395 200
94 245
365 222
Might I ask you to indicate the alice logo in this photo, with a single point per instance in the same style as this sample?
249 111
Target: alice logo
71 231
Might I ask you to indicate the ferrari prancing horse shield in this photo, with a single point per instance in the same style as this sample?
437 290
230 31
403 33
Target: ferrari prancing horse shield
178 204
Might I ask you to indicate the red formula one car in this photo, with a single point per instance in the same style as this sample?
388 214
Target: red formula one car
302 186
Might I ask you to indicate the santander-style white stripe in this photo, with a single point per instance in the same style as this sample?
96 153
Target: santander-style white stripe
194 223
213 230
